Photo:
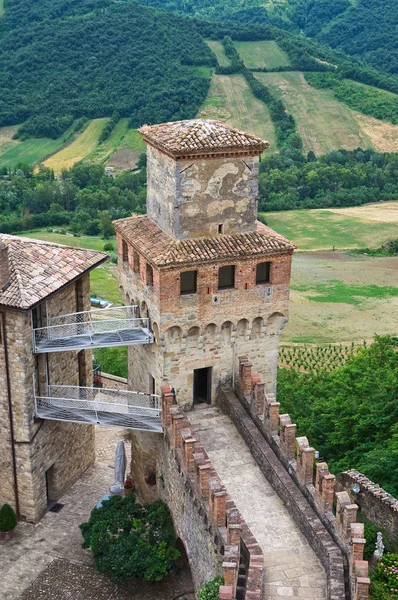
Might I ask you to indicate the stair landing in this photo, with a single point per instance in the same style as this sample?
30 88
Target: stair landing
292 569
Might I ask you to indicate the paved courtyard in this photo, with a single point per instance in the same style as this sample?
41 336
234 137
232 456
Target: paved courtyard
291 567
46 561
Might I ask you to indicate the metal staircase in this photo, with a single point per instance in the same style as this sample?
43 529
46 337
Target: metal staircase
121 326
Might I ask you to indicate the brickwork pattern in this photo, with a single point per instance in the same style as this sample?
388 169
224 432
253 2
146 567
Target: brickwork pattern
318 485
212 520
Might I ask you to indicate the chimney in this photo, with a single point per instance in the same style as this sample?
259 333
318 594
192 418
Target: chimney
4 266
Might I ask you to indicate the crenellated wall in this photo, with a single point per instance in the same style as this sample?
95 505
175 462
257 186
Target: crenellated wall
313 480
216 537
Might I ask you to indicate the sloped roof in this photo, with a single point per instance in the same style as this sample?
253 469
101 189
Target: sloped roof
199 136
37 269
162 250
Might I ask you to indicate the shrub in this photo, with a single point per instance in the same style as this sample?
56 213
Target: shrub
131 541
8 518
387 573
108 247
211 589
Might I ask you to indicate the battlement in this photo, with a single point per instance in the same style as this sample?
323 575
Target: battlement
313 479
241 557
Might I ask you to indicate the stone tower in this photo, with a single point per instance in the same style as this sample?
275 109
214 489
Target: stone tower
212 279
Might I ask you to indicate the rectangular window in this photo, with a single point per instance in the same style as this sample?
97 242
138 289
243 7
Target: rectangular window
221 228
263 272
188 282
125 252
149 275
136 262
226 277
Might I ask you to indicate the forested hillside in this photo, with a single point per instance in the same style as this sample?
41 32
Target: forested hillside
61 60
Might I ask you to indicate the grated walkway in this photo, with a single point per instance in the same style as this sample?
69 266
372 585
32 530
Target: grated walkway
291 567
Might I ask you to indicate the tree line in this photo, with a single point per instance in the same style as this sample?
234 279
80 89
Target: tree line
290 180
83 198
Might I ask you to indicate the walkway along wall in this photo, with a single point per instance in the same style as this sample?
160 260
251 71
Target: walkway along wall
216 537
307 489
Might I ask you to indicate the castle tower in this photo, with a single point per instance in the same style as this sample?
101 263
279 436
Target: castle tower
212 279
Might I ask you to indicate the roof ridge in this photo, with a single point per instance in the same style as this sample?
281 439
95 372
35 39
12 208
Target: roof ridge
13 268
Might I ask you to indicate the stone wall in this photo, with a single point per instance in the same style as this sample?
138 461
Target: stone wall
214 533
191 198
66 449
376 505
307 488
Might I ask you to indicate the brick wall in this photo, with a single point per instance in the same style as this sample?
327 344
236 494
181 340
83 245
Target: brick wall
214 533
306 487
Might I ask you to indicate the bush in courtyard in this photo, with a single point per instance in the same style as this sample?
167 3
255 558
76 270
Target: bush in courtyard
211 589
8 518
130 540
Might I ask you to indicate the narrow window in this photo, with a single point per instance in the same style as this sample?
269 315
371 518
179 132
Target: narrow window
125 252
149 275
226 277
263 271
136 262
188 282
221 228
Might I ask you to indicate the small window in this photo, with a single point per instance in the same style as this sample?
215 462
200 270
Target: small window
221 228
125 252
188 282
149 275
263 271
226 277
136 262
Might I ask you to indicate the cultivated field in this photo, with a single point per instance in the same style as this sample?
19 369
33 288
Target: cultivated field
80 149
323 122
336 297
230 100
383 135
128 151
30 151
218 49
103 150
262 54
367 226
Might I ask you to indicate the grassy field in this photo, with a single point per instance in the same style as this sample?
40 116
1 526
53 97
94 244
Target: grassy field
30 151
1 8
262 54
80 149
103 150
367 226
218 49
323 122
337 297
103 284
230 100
84 241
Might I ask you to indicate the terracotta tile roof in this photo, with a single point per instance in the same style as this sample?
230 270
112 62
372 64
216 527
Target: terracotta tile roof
162 250
200 136
37 269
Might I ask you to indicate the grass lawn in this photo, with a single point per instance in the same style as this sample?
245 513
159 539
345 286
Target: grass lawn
84 241
323 122
30 151
103 284
262 54
218 49
337 297
83 145
230 100
132 140
367 226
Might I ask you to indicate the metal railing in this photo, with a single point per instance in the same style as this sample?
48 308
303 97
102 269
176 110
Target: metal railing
104 327
100 406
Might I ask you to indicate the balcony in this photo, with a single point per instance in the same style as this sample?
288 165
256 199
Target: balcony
94 406
120 326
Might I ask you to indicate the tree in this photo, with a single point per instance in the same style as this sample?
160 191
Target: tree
131 541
